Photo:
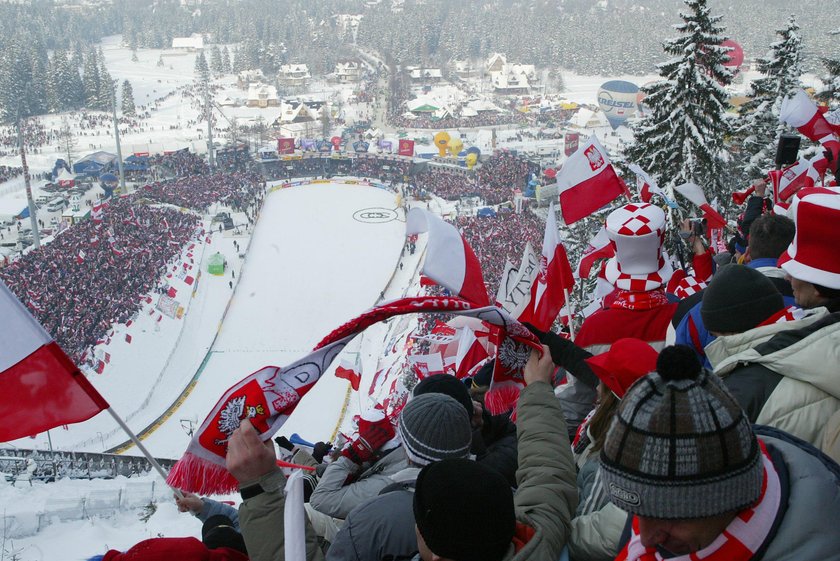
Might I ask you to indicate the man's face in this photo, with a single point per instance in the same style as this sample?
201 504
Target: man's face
681 537
805 294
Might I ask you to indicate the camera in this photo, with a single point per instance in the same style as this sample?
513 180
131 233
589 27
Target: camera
698 228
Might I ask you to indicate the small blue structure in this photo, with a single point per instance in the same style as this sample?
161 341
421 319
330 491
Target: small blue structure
136 163
95 163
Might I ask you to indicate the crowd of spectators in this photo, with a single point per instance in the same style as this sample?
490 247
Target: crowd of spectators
9 172
198 192
181 163
94 274
494 181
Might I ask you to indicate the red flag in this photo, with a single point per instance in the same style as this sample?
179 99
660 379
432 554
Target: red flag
189 280
547 297
450 261
599 248
172 293
350 375
787 181
42 388
406 147
587 182
80 257
471 354
128 338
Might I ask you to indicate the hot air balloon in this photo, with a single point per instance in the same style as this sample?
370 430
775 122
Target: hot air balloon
736 55
442 141
617 99
473 154
336 142
455 146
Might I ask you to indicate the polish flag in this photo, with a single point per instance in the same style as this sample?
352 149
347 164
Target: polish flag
555 275
694 193
599 248
450 261
96 213
189 280
355 378
787 181
426 365
587 182
80 257
471 354
831 143
42 388
646 185
801 113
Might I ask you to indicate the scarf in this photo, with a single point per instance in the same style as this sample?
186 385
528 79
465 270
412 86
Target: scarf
639 300
269 396
745 535
791 313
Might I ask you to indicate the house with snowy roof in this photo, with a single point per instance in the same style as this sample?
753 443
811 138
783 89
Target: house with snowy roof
293 75
193 43
248 77
424 75
464 70
262 95
514 79
347 72
495 62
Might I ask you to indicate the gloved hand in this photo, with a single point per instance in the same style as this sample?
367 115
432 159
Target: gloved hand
372 435
284 443
555 343
320 450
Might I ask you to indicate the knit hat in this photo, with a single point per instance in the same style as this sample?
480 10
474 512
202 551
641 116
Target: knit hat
637 232
813 256
680 446
464 510
447 385
627 360
738 299
433 427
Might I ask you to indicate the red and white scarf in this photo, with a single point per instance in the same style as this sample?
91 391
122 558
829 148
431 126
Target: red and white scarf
739 541
639 300
269 396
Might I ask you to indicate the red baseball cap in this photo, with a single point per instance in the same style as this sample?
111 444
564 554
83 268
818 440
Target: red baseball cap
627 360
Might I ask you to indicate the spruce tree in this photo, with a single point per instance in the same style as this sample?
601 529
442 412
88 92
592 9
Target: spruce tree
202 71
831 79
682 139
226 68
759 128
107 86
127 106
216 60
91 81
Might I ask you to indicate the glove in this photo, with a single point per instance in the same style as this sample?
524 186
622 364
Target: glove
320 450
555 343
371 438
284 443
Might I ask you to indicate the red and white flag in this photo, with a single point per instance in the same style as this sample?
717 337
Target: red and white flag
471 354
267 397
80 257
97 212
694 193
349 372
587 182
599 248
450 261
515 286
42 388
645 183
555 276
801 113
426 365
787 181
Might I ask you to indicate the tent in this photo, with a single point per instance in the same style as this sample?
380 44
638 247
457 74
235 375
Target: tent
136 163
65 178
13 209
95 163
216 264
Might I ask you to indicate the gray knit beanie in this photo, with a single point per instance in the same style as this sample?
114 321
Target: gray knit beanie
680 446
433 427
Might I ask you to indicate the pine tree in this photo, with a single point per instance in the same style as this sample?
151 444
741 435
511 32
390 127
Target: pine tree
216 60
107 86
238 64
831 93
226 67
53 85
91 81
202 71
127 107
682 139
759 129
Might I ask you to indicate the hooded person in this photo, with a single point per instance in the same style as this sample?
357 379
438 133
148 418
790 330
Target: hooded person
432 427
494 436
638 307
780 363
699 483
464 511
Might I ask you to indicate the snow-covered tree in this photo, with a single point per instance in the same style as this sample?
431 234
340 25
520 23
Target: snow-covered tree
202 71
216 60
226 67
91 81
127 106
759 128
831 79
107 86
682 139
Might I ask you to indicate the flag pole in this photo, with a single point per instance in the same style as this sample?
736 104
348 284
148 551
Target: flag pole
142 448
569 307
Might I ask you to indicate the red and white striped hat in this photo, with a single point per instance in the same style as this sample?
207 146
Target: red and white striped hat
813 256
637 232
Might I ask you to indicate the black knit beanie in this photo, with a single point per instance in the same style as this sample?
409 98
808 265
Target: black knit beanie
448 385
464 510
738 299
